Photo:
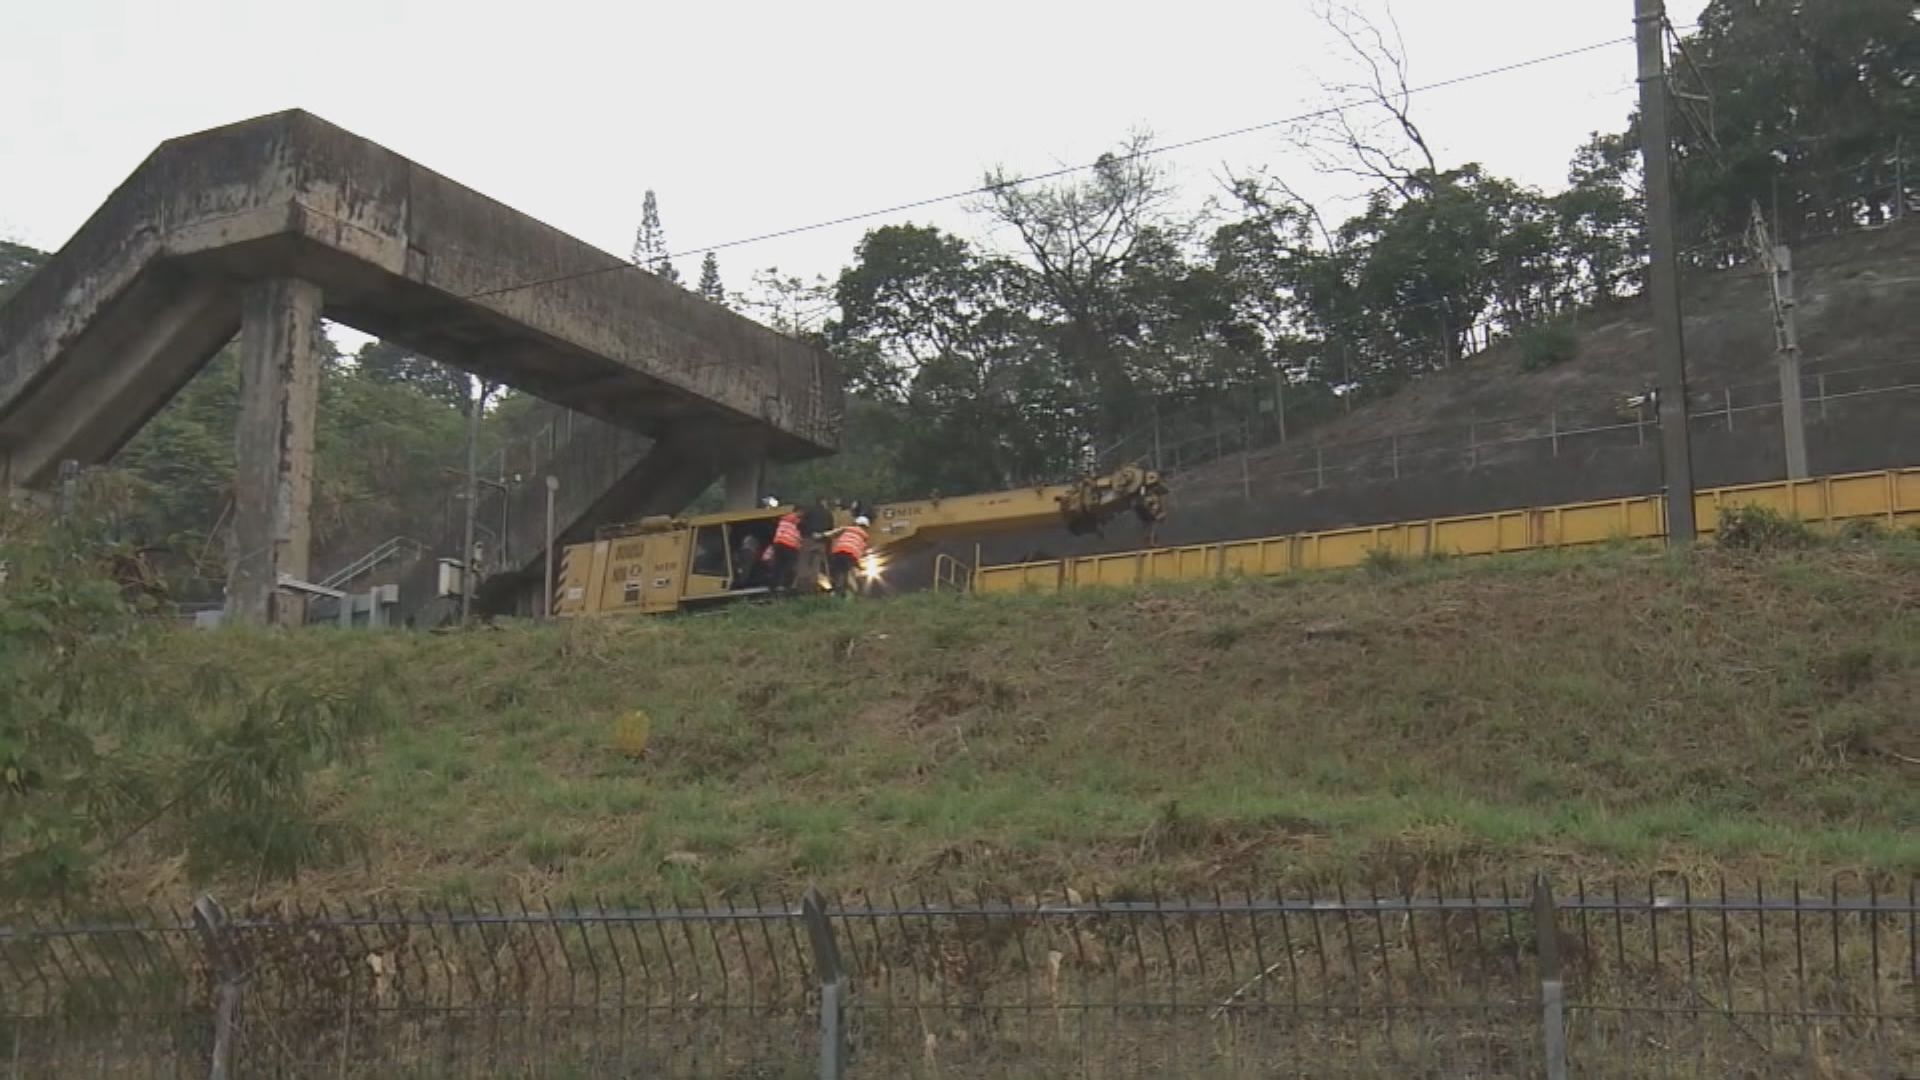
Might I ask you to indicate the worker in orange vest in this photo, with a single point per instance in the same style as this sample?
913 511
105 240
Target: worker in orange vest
785 548
849 547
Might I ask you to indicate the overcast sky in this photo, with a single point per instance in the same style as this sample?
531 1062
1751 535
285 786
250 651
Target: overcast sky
748 117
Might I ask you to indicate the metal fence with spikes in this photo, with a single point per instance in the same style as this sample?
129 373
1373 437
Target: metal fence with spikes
1505 982
1599 426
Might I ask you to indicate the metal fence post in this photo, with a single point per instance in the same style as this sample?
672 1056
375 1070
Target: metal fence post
833 986
1553 1003
1395 449
210 921
1554 421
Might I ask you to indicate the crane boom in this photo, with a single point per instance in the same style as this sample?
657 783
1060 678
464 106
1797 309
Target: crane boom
1085 506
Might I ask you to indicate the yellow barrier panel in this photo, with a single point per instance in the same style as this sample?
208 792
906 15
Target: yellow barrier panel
1892 498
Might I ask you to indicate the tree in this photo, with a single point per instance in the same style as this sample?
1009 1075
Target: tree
180 466
866 468
1528 274
930 325
1803 106
1185 336
1601 220
650 242
385 362
1082 239
789 303
1398 289
1294 280
1435 265
1377 139
710 286
1265 261
384 450
389 443
17 263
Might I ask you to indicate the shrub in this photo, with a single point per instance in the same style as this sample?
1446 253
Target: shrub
91 755
1863 530
1758 528
1383 561
1544 345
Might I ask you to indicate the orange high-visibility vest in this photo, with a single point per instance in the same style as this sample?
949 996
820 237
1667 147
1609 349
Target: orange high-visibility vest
787 533
851 540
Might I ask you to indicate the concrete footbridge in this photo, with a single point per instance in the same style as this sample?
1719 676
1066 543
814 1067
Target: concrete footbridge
264 227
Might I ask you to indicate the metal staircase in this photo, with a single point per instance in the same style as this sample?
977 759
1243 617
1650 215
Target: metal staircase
403 548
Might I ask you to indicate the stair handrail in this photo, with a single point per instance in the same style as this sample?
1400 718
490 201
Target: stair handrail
380 553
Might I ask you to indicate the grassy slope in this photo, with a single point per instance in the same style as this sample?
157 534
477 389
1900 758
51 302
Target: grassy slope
1611 711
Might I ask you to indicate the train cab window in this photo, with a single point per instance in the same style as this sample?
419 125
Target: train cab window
710 551
749 540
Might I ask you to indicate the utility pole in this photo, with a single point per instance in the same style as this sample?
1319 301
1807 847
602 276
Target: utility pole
505 554
475 403
1280 400
1793 413
1663 269
1778 259
553 486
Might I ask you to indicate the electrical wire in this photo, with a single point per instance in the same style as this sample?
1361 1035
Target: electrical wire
1054 174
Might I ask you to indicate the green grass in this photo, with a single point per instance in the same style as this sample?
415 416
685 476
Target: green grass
1612 712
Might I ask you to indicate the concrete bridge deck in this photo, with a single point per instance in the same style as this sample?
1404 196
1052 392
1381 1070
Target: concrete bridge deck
273 222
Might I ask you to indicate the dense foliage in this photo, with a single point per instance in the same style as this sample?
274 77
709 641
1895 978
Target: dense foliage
93 760
16 262
1811 105
389 448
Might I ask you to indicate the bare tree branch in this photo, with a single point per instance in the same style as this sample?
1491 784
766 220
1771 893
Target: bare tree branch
1083 237
1344 140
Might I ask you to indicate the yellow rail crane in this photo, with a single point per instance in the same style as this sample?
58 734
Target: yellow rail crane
665 564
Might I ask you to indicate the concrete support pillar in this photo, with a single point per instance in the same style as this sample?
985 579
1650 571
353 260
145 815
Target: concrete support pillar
744 483
273 466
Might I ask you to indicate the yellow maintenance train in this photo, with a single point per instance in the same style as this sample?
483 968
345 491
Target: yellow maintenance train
668 564
665 564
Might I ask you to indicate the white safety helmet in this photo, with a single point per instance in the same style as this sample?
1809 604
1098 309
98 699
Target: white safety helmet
770 502
862 521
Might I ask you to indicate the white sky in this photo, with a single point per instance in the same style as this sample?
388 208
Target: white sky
752 116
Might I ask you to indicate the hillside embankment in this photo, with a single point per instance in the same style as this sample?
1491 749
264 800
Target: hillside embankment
1617 712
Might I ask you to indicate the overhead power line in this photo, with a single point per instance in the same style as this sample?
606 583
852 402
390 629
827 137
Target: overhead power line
1066 170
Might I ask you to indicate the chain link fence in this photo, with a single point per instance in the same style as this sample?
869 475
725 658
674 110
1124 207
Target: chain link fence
1499 982
1228 462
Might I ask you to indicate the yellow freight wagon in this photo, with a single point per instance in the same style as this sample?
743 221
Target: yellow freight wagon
1890 498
